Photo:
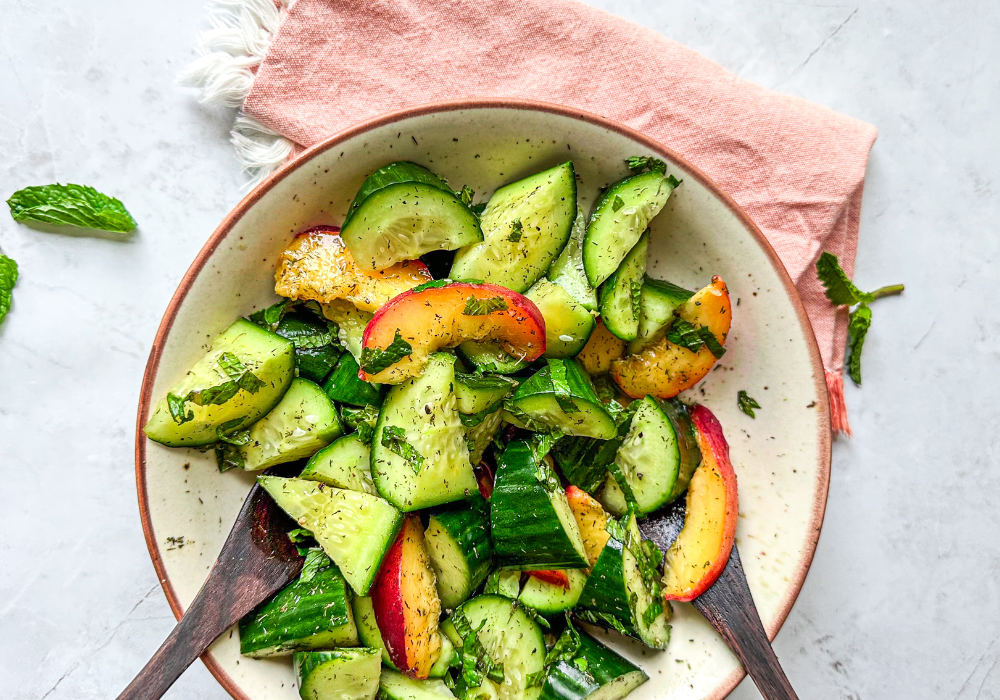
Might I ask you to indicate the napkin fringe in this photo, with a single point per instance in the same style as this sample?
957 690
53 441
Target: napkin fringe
229 53
838 406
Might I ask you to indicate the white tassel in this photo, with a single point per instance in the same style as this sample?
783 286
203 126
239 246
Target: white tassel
241 33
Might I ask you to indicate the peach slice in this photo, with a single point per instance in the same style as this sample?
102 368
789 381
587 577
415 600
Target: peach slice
318 266
591 519
601 350
699 554
664 369
406 604
402 335
556 578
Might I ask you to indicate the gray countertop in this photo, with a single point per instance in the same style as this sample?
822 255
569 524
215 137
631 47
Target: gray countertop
903 598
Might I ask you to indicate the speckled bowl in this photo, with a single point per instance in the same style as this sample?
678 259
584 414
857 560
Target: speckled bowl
782 458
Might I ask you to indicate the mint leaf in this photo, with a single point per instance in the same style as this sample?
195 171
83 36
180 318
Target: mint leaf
561 387
602 619
231 365
485 381
374 360
478 209
471 420
639 163
746 403
839 288
673 181
516 231
433 284
316 561
361 420
476 662
652 612
859 323
217 395
687 336
8 278
566 646
466 195
617 203
70 205
175 404
708 337
228 457
484 307
394 440
303 540
269 318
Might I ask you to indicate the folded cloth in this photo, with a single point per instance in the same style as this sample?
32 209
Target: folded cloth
795 167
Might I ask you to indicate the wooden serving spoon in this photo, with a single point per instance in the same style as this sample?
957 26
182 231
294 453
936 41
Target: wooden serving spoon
256 561
729 607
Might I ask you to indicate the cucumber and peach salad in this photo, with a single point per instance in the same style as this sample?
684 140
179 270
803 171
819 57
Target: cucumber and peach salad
475 449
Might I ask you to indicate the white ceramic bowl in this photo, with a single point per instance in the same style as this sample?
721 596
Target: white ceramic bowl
782 458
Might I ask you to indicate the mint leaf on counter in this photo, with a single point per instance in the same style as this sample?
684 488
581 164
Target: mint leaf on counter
8 278
71 205
746 403
860 322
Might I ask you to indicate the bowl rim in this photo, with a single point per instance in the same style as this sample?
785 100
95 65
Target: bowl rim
223 229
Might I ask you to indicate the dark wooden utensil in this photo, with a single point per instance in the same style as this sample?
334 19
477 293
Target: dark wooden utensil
256 561
729 607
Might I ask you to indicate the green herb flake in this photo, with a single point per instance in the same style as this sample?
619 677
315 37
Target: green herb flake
617 203
566 646
228 457
859 323
484 307
602 619
374 360
746 403
71 205
433 284
8 278
394 440
175 404
639 163
269 318
361 420
516 231
673 181
694 339
316 561
466 195
231 365
303 540
476 662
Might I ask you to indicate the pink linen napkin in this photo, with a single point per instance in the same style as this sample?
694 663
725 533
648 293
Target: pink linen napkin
795 167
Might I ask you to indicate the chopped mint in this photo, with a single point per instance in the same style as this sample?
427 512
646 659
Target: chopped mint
228 457
316 561
617 203
374 360
176 406
687 336
270 317
602 619
561 387
516 231
859 323
361 420
746 403
70 205
471 420
433 284
476 662
484 307
639 163
8 278
673 181
394 440
466 195
566 646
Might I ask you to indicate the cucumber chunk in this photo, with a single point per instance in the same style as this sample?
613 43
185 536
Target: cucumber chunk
480 394
505 582
458 541
312 612
304 421
355 529
623 585
657 302
393 685
567 270
568 324
621 294
403 211
370 636
532 524
507 635
339 674
419 454
550 599
345 464
488 356
595 672
560 396
242 348
345 386
620 216
655 461
585 461
525 226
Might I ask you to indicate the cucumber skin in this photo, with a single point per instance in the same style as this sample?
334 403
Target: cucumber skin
584 461
564 316
301 610
565 681
526 531
631 271
680 415
487 356
581 392
357 664
468 524
605 591
549 599
345 386
393 174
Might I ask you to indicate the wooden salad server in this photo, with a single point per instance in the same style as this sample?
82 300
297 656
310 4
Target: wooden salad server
728 605
256 561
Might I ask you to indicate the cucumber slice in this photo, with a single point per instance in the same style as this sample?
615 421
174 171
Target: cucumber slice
623 585
422 418
243 347
355 529
345 465
304 421
340 674
550 599
393 174
621 294
405 220
481 394
585 461
656 460
619 218
458 541
657 302
310 613
488 356
351 323
505 582
507 635
393 685
560 396
370 636
480 436
567 270
594 672
532 524
525 226
345 386
568 324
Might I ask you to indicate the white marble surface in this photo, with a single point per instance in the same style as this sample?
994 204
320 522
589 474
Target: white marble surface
903 598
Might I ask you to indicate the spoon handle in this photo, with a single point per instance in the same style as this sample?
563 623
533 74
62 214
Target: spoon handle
729 607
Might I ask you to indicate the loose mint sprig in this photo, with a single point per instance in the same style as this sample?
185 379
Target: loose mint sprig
71 205
842 292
